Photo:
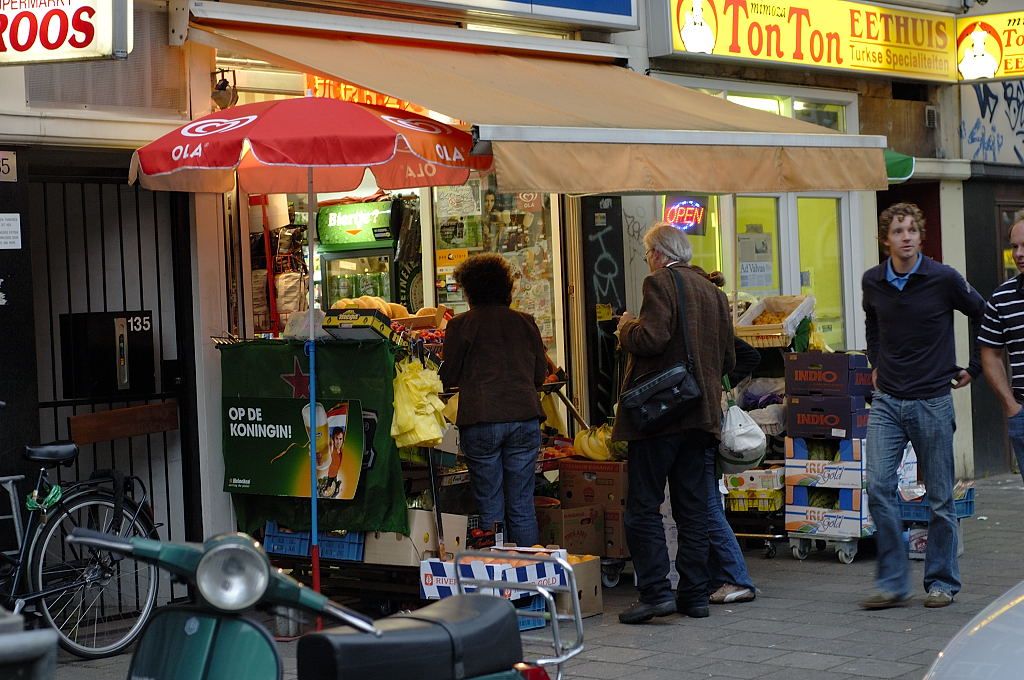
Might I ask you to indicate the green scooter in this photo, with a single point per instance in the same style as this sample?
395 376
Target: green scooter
462 637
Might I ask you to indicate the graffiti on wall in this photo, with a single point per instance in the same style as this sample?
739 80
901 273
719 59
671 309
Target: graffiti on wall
992 123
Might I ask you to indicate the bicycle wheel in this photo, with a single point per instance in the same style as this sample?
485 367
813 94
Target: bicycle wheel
98 602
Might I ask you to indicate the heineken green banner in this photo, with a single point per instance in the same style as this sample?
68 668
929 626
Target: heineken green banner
266 447
265 387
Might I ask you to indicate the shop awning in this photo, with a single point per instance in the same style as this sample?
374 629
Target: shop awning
899 167
581 127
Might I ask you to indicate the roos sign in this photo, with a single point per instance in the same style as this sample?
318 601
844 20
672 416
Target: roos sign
34 31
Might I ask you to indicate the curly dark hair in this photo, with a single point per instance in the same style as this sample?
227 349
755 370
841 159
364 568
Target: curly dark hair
486 279
899 210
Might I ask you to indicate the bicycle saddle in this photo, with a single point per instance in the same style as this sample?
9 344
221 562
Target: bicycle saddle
463 636
53 453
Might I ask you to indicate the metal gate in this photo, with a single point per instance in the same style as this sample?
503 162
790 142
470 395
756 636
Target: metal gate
99 245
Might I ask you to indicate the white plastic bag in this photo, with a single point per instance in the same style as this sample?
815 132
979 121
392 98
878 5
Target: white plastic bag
297 327
743 442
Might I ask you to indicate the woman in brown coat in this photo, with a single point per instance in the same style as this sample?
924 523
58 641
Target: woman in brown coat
496 357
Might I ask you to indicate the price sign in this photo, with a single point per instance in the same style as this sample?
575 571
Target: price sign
8 166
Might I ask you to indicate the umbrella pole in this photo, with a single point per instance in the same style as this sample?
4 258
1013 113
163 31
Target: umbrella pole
311 345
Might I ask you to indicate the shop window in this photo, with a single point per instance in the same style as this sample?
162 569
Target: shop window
757 245
818 221
832 116
698 215
769 103
478 217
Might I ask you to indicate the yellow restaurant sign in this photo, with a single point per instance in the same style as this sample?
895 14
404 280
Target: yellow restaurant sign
848 36
990 46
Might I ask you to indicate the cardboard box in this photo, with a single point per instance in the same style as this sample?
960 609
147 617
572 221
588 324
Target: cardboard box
846 470
840 475
765 480
852 520
798 448
809 373
588 588
437 578
615 534
827 417
421 543
917 540
578 530
588 482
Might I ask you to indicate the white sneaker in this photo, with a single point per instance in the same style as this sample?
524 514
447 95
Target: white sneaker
729 593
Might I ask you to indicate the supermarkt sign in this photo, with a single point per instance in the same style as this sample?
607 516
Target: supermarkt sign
826 34
33 31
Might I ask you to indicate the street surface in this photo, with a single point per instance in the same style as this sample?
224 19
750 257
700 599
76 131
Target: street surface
804 625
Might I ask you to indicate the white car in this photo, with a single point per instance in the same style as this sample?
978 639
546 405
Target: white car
989 646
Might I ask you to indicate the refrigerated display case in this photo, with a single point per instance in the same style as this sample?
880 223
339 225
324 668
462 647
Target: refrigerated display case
356 243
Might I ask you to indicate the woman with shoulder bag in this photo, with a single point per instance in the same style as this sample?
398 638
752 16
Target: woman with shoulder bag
683 333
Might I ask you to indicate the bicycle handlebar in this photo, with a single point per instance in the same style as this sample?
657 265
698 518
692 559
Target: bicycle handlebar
98 539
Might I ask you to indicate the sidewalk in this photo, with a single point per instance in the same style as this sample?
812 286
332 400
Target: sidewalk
804 625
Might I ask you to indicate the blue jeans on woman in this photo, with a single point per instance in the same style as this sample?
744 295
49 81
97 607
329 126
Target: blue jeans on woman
928 424
725 559
502 460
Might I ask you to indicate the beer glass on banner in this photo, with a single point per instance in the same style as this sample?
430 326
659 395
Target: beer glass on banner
323 461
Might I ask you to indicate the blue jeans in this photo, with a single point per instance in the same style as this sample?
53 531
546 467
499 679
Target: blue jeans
502 460
1015 428
725 559
679 460
928 424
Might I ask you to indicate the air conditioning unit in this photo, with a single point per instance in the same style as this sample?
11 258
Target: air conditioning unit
931 117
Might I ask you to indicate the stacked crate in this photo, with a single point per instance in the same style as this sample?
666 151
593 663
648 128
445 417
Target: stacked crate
826 422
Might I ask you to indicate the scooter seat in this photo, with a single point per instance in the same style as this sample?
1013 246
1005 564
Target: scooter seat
463 636
53 453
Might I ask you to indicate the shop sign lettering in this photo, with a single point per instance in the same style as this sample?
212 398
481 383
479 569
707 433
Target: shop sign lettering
62 30
815 33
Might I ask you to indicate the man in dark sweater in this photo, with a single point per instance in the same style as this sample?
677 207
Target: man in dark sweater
909 301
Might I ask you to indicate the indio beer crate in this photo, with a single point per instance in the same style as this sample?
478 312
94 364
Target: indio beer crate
825 373
843 417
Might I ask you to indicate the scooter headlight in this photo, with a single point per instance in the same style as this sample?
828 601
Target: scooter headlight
233 573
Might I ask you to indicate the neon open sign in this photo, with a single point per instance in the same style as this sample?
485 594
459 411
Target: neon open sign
686 214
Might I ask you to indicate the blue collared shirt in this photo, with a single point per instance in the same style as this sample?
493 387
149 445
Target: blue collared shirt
899 281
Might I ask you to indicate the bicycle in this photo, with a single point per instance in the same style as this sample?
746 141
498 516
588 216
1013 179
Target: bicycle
97 601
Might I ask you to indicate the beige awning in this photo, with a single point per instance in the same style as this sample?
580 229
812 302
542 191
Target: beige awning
580 127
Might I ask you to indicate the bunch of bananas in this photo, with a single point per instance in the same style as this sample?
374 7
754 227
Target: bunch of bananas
596 443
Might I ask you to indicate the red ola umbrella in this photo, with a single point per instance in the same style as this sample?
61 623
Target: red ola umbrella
273 145
313 145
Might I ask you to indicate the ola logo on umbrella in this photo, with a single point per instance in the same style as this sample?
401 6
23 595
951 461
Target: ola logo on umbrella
419 124
212 126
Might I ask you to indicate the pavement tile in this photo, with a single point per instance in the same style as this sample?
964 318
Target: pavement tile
683 662
733 669
811 631
613 654
926 657
756 626
602 670
808 660
877 669
881 637
808 674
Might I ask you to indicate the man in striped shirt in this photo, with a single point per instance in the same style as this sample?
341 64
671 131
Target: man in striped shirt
1002 331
